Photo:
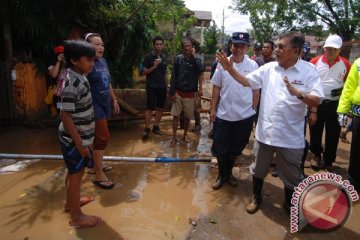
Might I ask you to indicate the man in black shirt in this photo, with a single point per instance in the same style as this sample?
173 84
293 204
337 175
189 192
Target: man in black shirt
154 68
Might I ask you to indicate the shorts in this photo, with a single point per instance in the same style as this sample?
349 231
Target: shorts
183 104
197 102
155 98
74 162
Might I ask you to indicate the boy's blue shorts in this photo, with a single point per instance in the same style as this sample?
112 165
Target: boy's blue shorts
73 160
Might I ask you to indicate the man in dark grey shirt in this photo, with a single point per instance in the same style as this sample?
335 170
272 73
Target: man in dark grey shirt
185 83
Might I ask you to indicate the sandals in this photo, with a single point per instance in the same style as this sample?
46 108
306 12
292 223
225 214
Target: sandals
103 183
173 143
186 139
106 168
343 137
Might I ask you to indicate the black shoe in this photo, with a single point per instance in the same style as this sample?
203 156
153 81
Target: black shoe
287 199
316 163
157 130
287 207
232 181
218 184
254 205
329 168
274 172
145 133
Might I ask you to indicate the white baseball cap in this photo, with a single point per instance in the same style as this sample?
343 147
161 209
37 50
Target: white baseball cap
333 41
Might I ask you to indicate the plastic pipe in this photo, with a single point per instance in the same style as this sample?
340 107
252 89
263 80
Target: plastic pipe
110 158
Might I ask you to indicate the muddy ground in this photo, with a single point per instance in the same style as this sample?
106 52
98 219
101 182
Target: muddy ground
151 201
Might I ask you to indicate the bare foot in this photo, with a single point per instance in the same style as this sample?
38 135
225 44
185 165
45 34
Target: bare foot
83 201
85 221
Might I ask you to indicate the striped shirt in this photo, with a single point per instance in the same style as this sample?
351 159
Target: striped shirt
76 99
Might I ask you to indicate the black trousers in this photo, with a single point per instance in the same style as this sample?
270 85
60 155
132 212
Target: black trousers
326 117
354 164
230 139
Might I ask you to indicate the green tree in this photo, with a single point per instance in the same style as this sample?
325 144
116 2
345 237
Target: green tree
212 36
37 26
339 16
175 15
126 26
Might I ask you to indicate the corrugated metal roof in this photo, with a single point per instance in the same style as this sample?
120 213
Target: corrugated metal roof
203 15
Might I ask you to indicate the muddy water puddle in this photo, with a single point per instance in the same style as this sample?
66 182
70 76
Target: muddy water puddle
149 201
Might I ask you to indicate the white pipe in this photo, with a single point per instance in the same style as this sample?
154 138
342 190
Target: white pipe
110 158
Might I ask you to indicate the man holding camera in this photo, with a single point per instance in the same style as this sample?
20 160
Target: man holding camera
333 70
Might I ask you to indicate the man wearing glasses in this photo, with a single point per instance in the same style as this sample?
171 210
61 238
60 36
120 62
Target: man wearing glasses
289 86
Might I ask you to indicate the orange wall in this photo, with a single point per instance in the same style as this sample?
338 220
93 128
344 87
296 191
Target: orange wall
30 92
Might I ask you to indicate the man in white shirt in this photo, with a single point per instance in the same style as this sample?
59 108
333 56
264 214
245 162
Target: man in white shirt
234 114
333 70
289 86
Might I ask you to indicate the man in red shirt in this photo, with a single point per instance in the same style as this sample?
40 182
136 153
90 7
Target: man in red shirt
333 71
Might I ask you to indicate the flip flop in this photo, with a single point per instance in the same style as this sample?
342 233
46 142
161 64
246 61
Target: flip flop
173 143
83 201
102 185
186 139
106 168
71 224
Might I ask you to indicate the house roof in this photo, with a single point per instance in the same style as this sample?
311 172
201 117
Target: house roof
203 15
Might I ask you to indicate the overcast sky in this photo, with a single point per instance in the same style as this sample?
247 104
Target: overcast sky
234 22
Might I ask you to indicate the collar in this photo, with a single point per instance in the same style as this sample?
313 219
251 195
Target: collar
76 74
324 59
297 66
155 55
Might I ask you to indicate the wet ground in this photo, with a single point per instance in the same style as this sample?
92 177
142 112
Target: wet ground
151 201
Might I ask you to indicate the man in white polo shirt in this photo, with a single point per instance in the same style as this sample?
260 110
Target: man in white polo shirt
333 71
289 86
234 113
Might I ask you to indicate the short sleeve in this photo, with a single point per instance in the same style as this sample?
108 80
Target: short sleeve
313 85
216 78
147 62
256 77
70 95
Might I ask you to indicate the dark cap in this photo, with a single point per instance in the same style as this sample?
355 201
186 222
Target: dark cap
257 45
240 37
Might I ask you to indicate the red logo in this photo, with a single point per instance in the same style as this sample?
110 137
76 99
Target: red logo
325 206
